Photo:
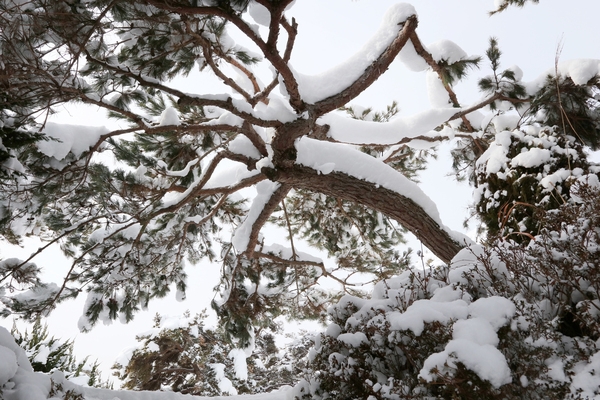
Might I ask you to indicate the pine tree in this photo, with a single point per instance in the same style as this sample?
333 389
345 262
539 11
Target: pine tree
193 359
529 166
48 354
176 192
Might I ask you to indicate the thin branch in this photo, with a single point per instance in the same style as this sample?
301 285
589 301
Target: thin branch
289 226
76 262
276 197
207 50
414 38
198 188
50 243
280 260
184 98
270 52
304 263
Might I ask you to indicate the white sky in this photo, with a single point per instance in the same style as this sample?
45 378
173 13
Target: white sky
329 32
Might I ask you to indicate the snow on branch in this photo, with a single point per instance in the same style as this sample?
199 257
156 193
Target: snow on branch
581 71
355 131
334 88
76 139
328 157
342 171
269 195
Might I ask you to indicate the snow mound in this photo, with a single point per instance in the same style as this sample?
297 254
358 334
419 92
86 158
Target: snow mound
69 139
579 70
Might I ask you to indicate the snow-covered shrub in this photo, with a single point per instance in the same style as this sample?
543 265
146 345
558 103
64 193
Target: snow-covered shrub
19 379
523 172
510 321
48 354
560 270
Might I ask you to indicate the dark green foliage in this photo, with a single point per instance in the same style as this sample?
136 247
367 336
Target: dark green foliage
504 85
268 286
573 108
566 258
512 198
330 224
11 141
48 354
451 73
560 117
193 359
507 3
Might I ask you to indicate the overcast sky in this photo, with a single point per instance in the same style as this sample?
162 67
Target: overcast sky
329 32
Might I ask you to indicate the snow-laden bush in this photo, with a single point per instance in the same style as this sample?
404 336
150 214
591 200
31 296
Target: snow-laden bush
48 354
506 322
525 170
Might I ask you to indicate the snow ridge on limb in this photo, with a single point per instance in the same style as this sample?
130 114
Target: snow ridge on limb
346 130
267 199
317 88
374 70
339 169
348 160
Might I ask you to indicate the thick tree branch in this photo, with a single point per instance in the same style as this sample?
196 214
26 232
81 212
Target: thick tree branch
371 74
394 205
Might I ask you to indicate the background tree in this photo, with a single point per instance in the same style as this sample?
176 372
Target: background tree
48 354
193 359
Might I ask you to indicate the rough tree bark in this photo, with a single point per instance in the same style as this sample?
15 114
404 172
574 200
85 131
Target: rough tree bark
396 206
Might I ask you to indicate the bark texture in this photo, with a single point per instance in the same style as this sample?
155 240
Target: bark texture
404 210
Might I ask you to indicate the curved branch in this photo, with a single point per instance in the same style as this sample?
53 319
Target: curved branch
274 200
401 208
414 38
269 51
486 102
372 73
292 31
208 50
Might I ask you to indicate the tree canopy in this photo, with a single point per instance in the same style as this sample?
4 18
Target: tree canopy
193 175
